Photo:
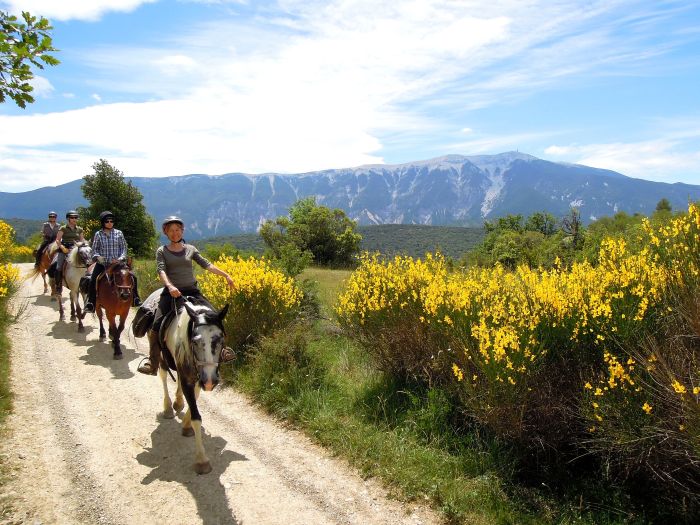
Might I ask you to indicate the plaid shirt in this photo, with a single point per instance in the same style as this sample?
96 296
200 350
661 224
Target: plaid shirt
111 247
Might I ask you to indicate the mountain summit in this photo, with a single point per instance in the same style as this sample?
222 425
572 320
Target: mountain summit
453 189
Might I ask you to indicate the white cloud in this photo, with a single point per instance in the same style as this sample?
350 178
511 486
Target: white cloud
88 10
97 97
665 159
42 86
313 85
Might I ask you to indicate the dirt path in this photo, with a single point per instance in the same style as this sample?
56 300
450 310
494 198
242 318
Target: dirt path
85 445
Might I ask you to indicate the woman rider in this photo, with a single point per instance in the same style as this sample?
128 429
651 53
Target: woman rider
67 236
49 230
176 272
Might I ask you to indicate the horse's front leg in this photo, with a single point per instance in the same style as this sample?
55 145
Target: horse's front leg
75 300
114 334
103 335
43 278
194 421
168 412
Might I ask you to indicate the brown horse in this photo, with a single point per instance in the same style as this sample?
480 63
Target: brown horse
44 263
114 295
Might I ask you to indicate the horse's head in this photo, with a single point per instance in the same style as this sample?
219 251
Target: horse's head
123 280
80 255
206 337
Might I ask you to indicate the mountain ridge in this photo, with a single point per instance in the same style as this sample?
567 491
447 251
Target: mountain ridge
452 190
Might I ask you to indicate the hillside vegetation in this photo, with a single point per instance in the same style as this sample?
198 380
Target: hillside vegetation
389 239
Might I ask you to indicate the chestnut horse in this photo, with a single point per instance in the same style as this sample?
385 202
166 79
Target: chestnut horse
44 264
114 295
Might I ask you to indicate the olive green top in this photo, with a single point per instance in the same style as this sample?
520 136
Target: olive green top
70 235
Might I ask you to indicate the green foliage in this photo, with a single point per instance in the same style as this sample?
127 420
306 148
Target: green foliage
23 44
663 205
213 251
620 226
329 235
27 231
106 189
512 241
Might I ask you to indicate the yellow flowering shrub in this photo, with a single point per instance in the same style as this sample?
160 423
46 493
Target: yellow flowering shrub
262 299
9 275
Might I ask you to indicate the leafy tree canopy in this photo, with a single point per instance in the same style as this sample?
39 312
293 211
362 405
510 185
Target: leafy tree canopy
23 43
106 189
329 235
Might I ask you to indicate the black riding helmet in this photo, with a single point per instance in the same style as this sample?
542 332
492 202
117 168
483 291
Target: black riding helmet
173 219
104 216
72 214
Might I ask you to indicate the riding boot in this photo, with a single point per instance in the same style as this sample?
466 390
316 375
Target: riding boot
92 294
150 365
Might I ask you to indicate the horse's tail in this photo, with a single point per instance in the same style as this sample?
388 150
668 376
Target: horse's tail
33 274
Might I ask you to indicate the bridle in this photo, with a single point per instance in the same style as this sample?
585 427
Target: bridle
195 336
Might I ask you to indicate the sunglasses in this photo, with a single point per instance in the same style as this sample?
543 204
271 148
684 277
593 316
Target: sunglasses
108 220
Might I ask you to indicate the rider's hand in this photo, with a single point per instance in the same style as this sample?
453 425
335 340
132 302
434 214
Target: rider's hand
174 292
64 249
100 259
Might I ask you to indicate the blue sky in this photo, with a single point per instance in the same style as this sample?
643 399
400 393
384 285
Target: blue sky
172 87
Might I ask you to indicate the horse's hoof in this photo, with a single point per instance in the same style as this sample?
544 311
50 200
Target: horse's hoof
168 414
187 431
202 468
178 405
102 339
81 329
118 355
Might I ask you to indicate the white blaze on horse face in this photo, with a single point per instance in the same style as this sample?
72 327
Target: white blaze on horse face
205 352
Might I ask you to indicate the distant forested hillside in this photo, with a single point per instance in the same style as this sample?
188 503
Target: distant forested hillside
388 239
24 228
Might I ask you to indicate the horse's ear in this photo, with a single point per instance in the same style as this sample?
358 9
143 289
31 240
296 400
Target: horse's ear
223 312
190 310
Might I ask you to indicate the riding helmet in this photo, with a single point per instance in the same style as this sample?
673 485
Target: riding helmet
171 219
53 214
72 213
106 215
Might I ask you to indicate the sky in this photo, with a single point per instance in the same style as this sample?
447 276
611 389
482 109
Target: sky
173 87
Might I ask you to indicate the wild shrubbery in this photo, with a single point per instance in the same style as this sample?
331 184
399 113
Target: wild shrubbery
263 299
586 360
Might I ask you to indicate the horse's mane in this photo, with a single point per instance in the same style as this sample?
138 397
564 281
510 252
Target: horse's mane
184 327
73 253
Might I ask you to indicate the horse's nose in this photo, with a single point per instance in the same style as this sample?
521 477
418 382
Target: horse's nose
208 381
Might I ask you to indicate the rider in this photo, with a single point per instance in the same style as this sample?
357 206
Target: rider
176 272
108 246
67 236
49 231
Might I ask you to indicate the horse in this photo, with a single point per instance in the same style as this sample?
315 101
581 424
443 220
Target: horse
45 260
78 259
114 296
193 343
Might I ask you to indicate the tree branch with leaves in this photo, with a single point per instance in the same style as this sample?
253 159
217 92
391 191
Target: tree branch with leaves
23 43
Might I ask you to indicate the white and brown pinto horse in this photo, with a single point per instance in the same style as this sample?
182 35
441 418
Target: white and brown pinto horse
45 260
194 341
78 259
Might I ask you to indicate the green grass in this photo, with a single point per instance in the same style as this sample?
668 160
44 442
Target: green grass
328 284
5 393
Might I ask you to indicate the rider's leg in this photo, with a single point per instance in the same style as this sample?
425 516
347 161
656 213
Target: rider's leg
150 365
137 298
39 251
92 289
59 272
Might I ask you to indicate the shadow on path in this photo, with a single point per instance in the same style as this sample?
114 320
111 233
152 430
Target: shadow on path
171 457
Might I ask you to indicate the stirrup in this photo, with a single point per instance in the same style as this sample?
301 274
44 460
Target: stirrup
147 367
89 307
